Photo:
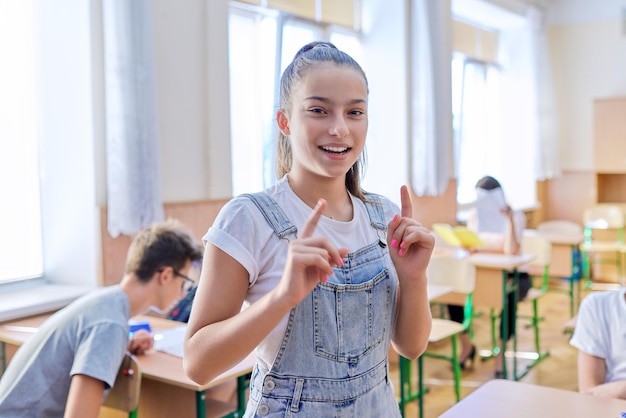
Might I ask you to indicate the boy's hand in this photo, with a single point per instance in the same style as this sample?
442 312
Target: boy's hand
140 342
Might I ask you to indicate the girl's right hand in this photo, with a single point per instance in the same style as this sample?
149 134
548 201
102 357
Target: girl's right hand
309 260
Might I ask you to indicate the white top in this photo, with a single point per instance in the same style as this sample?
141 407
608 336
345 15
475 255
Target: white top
241 231
601 330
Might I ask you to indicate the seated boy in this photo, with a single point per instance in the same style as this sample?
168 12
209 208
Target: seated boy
599 336
65 368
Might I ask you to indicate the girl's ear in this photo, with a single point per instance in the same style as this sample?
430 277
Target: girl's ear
283 122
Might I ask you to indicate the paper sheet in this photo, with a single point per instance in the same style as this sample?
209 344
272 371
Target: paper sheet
489 205
171 340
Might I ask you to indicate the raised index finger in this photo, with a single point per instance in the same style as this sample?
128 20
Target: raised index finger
407 207
311 222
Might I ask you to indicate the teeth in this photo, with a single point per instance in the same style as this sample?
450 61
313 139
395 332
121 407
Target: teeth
335 149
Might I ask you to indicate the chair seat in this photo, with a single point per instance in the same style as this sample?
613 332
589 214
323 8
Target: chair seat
602 246
444 328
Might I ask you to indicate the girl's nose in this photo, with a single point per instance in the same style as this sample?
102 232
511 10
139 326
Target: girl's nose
339 128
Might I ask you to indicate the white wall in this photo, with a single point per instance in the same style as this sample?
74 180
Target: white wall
191 54
588 53
385 64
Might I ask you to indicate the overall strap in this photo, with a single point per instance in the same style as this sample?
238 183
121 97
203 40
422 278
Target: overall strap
374 206
273 214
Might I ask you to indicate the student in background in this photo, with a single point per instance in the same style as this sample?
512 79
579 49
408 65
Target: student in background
65 368
599 338
330 275
500 228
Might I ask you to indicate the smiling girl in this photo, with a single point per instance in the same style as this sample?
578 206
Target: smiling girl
329 275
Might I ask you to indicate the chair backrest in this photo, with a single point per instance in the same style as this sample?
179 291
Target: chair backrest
540 247
455 272
559 226
124 395
603 216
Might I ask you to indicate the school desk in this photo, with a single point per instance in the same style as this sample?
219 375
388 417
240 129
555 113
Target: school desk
165 389
565 260
491 290
505 398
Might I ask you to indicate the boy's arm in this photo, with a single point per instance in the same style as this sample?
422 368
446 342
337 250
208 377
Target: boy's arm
85 397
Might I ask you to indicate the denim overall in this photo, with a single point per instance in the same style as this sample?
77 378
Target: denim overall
332 361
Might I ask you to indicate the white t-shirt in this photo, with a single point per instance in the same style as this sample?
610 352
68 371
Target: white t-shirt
241 231
601 330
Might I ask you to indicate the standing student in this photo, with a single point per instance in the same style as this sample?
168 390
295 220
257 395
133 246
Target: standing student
329 274
500 228
599 338
65 368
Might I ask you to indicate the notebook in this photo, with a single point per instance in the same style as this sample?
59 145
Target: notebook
458 236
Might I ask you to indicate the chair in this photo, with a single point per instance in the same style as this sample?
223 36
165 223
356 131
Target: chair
564 228
124 395
608 218
460 275
538 268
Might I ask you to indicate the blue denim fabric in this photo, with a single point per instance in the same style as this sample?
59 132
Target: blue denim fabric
333 358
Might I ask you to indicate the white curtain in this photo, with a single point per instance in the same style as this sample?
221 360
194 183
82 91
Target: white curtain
524 148
430 96
548 152
132 148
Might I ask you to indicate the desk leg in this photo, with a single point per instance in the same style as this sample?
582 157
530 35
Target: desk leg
200 404
514 321
504 320
406 391
3 355
420 382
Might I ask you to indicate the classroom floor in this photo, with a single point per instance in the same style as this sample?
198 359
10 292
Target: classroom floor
557 370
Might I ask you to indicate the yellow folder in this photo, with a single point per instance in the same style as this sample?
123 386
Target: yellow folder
458 236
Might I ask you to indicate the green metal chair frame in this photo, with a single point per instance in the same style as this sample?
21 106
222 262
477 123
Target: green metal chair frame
460 274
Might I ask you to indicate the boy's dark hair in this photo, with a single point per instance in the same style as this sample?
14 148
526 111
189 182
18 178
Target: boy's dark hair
160 245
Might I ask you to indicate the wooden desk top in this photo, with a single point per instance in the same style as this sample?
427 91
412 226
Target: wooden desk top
154 365
559 238
486 260
167 368
499 261
507 398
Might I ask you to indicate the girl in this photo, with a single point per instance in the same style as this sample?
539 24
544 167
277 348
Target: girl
329 275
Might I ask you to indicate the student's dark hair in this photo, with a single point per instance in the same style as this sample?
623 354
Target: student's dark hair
308 56
160 245
488 183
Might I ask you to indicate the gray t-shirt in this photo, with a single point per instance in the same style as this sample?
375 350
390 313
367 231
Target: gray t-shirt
89 337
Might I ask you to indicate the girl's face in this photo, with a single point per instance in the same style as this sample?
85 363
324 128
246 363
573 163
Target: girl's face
327 122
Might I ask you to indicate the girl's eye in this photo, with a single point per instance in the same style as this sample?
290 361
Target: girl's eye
356 112
316 110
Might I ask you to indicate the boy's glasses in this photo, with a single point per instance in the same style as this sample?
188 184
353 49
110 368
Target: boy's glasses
187 283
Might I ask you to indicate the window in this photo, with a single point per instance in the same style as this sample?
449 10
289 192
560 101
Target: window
494 104
20 213
475 118
262 42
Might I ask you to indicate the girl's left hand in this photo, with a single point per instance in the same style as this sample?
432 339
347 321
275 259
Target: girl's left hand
410 243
